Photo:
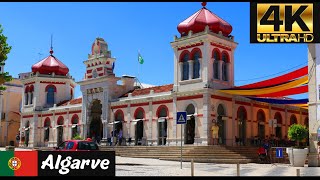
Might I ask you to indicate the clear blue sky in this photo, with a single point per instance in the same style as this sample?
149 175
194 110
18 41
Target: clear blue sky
127 28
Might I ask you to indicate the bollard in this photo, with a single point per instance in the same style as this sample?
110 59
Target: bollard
192 168
238 169
298 172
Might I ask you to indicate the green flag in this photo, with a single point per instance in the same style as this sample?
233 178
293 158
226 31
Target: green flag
140 59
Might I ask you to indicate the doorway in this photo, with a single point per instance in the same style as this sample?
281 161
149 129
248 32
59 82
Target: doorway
96 128
189 130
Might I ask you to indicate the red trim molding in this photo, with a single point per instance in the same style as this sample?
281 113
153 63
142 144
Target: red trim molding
189 97
72 112
27 116
221 46
162 102
48 82
305 113
139 104
89 70
243 103
119 107
221 98
61 113
29 83
99 69
191 46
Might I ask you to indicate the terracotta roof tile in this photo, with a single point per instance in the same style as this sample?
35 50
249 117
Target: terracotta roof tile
145 91
72 101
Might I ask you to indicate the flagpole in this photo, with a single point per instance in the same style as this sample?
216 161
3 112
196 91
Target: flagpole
138 66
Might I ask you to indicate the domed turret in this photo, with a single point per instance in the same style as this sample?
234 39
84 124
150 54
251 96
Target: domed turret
50 65
199 20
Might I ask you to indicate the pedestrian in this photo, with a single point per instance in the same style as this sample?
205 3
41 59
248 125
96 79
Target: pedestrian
120 136
18 138
215 130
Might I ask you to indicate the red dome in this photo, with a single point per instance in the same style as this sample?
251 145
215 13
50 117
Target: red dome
199 20
49 65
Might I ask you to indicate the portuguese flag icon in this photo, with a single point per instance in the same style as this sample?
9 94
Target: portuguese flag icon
18 163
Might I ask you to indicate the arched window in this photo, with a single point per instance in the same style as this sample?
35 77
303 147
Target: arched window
261 117
74 121
26 97
216 59
196 65
119 117
139 114
293 119
60 121
50 94
31 94
185 67
71 93
224 67
46 129
278 117
162 111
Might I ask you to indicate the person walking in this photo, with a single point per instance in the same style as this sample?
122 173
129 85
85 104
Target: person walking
214 131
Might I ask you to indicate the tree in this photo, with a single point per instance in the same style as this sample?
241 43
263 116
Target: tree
4 50
298 132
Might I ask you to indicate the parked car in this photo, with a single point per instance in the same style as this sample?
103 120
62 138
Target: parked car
77 145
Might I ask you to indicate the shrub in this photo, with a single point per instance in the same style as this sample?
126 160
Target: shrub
77 137
298 132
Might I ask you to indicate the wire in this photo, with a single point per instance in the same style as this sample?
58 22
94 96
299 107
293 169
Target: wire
271 74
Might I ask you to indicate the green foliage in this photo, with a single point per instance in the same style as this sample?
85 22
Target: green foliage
77 137
4 51
298 132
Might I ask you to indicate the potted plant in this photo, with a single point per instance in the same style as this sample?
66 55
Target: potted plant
298 153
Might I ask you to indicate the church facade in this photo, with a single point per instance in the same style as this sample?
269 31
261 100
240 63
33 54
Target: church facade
203 64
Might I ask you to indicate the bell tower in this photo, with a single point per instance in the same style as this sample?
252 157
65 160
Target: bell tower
204 52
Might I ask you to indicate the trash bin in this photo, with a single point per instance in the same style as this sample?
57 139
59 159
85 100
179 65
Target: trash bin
11 143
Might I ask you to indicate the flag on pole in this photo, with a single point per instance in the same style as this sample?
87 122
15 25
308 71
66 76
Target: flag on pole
140 59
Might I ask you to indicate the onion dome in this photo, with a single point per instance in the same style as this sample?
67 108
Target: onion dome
50 65
199 20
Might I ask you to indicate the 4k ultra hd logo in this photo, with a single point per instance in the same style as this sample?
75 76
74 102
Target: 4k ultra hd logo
284 23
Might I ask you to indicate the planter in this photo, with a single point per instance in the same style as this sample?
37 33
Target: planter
297 157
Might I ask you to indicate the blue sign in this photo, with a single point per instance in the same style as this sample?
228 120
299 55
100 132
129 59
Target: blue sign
181 117
279 153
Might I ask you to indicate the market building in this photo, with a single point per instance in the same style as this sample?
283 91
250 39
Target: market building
203 65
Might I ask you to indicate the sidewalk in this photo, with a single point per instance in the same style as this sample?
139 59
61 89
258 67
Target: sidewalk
154 167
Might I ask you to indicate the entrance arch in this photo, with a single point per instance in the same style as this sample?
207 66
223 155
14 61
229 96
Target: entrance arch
261 117
117 126
139 116
60 130
189 131
242 125
27 133
162 113
96 128
222 124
